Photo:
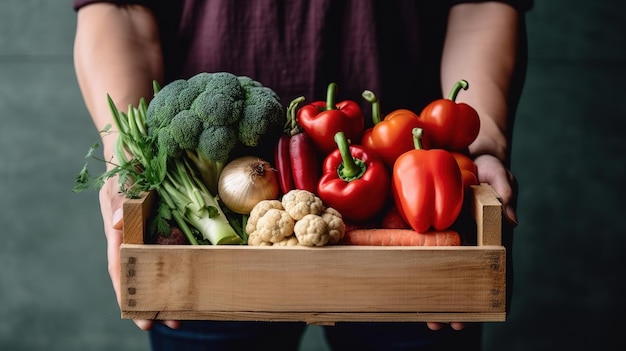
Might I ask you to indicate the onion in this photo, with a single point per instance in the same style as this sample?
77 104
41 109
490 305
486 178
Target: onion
245 181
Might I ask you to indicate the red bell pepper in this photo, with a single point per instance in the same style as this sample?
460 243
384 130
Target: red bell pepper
392 136
469 172
448 124
321 120
427 187
353 181
295 156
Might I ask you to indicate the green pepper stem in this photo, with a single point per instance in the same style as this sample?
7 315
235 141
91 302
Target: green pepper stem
351 168
373 99
330 96
417 138
461 84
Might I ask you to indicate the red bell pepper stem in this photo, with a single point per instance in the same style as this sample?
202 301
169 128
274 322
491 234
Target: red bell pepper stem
417 138
330 96
371 98
351 168
456 88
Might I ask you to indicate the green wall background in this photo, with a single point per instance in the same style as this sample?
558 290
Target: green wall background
568 156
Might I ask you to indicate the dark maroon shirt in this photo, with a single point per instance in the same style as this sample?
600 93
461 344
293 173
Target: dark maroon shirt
298 47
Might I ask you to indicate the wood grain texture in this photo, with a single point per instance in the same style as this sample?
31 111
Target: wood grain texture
487 212
317 285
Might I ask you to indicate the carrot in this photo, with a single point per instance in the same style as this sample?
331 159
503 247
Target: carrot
401 237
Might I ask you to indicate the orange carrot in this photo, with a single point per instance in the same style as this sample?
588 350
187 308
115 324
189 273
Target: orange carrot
401 237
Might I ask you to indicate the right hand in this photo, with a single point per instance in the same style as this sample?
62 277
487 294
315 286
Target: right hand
111 207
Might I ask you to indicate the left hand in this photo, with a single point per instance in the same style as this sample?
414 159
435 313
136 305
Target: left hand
491 170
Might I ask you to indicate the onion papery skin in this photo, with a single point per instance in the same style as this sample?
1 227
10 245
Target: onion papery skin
245 181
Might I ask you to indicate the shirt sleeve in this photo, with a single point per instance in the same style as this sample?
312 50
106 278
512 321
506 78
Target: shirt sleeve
77 4
520 5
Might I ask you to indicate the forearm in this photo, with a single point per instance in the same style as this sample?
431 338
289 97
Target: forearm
116 52
481 47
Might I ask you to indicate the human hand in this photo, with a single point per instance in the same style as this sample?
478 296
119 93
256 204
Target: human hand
111 207
491 170
436 325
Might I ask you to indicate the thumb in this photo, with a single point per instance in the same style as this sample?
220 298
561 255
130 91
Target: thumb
118 219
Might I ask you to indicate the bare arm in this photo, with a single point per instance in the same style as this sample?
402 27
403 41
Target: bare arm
116 52
481 47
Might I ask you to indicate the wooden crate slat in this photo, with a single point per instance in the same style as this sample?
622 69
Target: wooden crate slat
316 285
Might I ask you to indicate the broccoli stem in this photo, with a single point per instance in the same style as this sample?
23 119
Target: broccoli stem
184 192
209 171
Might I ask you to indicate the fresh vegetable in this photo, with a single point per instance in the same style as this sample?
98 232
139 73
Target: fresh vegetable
288 241
273 226
209 115
393 220
401 237
183 197
469 172
174 237
282 161
259 211
312 230
321 120
390 137
336 225
245 181
451 125
299 203
427 187
354 182
300 218
295 155
191 202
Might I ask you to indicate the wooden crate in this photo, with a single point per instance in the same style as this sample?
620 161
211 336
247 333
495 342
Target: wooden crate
316 285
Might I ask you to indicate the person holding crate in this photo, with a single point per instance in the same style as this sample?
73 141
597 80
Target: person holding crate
408 52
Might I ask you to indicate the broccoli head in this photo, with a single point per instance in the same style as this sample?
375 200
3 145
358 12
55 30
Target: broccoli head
173 98
262 114
221 100
209 115
216 142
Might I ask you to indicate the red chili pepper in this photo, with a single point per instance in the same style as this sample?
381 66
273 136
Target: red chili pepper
283 164
323 119
304 165
427 187
295 156
469 172
451 125
392 136
354 182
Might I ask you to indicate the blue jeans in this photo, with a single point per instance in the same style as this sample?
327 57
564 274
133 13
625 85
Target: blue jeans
278 336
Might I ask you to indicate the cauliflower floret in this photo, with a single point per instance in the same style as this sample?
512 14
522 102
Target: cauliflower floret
274 226
312 230
288 241
299 203
258 211
255 240
336 225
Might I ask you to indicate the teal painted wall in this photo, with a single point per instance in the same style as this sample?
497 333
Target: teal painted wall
568 156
